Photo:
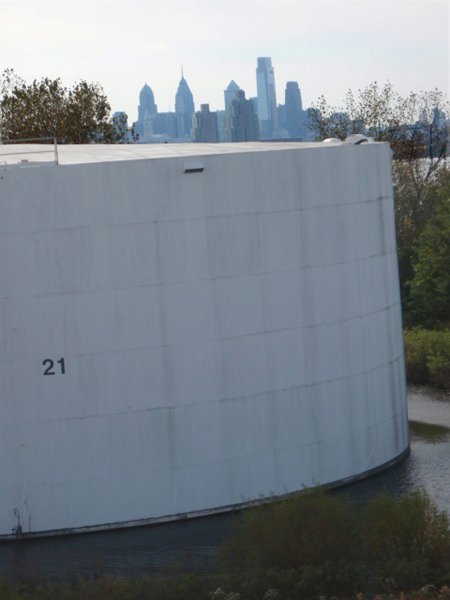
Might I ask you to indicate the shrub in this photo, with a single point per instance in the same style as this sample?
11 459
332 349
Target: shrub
308 529
427 355
406 541
315 544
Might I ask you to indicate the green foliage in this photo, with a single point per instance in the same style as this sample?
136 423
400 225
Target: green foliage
427 354
46 108
406 541
314 545
429 295
422 223
308 529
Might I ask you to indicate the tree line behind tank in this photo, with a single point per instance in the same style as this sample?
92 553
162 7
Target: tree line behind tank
416 126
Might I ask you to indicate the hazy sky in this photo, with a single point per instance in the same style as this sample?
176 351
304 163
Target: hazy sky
327 46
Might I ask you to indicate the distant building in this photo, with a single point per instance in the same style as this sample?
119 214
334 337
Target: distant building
230 93
146 111
221 121
281 116
204 125
184 109
293 109
146 102
254 101
165 126
241 121
267 100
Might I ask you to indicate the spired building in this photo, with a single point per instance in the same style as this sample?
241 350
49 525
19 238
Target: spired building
184 109
154 127
241 121
267 100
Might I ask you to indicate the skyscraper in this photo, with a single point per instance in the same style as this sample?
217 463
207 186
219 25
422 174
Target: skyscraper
184 108
146 102
230 93
293 109
204 125
147 109
267 100
241 122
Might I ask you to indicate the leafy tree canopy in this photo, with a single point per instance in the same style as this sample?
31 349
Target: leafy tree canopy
429 298
47 108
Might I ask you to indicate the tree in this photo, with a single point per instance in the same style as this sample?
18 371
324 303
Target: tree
123 132
429 298
8 81
374 111
415 126
46 108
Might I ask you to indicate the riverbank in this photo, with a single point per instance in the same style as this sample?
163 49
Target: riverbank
183 588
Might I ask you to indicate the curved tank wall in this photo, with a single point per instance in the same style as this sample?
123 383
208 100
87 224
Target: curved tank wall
208 337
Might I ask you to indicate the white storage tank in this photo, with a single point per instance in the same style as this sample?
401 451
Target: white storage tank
187 328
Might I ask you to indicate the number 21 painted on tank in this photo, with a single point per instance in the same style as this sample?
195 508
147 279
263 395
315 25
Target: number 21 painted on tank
49 370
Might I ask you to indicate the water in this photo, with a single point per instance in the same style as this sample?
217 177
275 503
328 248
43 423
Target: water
193 545
427 466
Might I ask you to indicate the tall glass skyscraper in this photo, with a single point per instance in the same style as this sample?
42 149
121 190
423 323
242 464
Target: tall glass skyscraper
267 99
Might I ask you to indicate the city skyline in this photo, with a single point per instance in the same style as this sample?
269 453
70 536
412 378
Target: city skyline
326 47
242 119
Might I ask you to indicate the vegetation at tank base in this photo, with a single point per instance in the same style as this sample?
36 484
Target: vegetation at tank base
311 546
46 108
320 545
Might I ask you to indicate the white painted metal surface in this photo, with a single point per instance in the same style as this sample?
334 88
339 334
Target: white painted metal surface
224 334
